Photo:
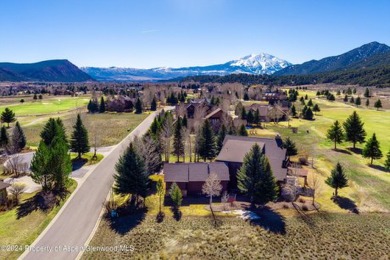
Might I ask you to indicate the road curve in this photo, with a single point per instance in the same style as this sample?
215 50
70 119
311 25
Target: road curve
72 226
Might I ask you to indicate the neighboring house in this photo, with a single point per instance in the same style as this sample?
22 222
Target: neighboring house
190 177
195 105
120 104
216 118
274 96
3 192
268 113
235 148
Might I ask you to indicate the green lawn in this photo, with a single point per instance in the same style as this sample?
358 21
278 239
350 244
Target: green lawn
88 158
25 230
369 186
49 105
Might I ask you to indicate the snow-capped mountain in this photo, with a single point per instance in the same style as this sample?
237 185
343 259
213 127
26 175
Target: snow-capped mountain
252 64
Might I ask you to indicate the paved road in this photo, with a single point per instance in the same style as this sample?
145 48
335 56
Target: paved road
77 219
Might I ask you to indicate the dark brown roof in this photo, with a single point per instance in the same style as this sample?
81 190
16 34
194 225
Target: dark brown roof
192 172
213 113
235 147
3 185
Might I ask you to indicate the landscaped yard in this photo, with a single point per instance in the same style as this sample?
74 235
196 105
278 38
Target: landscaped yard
24 230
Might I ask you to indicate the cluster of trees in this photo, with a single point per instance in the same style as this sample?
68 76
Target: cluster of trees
352 131
173 99
17 141
95 107
35 97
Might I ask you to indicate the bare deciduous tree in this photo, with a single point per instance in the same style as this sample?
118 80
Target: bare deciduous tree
16 189
148 149
212 187
166 135
315 183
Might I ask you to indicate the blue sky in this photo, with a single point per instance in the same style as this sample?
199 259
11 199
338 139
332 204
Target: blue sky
176 33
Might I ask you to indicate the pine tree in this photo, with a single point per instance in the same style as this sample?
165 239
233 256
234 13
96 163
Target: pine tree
387 162
372 149
242 131
40 172
316 108
293 111
256 117
309 114
131 177
358 101
367 93
243 113
102 106
367 102
178 140
207 146
249 117
221 137
79 142
18 138
337 180
310 103
176 195
35 96
290 146
335 134
53 128
138 106
354 131
378 104
184 121
306 97
345 98
352 100
60 163
8 116
255 177
153 106
246 96
4 139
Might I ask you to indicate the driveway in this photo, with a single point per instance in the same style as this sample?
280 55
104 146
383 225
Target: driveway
72 226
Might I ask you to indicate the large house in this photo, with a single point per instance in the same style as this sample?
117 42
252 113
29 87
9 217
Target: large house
190 177
235 148
268 113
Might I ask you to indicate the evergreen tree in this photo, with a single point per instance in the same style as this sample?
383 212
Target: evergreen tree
290 146
352 100
256 117
293 111
131 177
102 107
310 103
221 137
18 138
39 167
337 179
354 91
367 93
79 142
249 117
7 116
316 108
309 114
304 109
372 149
246 96
154 127
178 140
367 102
354 131
35 96
4 139
255 177
306 97
302 100
138 106
387 162
345 98
207 146
184 121
176 195
349 91
242 131
378 104
153 106
358 101
335 134
243 113
53 128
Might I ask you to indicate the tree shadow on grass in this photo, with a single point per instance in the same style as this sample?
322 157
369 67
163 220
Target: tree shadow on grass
342 151
124 224
346 203
78 163
270 220
176 213
378 167
356 150
42 201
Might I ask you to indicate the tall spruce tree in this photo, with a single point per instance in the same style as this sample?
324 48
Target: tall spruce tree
372 149
60 163
53 128
387 162
8 116
18 138
256 117
41 174
4 139
138 106
293 111
290 147
255 177
178 139
378 104
102 106
367 93
153 105
249 117
221 137
354 131
335 134
337 180
242 131
131 177
207 147
358 101
79 142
